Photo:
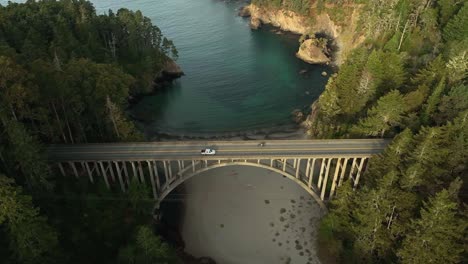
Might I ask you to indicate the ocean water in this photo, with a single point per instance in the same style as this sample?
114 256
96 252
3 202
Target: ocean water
235 79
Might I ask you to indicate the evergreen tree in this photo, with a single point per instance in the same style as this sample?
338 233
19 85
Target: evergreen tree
386 115
437 237
147 248
433 101
457 27
447 8
31 238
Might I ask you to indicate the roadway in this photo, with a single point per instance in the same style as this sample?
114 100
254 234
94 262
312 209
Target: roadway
246 149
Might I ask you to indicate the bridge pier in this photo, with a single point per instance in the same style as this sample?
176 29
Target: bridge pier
333 169
119 175
104 175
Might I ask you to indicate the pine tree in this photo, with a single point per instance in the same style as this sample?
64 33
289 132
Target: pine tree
452 104
147 248
386 115
437 237
433 101
379 219
391 160
457 27
31 238
446 9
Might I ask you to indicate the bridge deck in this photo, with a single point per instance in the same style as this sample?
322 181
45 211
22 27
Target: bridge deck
246 149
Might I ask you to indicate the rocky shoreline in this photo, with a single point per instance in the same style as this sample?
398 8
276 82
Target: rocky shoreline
341 38
162 79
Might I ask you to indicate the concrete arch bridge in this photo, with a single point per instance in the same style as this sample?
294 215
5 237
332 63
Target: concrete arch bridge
318 166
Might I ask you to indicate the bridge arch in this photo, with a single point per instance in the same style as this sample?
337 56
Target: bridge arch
177 182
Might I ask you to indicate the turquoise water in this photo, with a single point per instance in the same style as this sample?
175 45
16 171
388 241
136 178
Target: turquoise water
235 79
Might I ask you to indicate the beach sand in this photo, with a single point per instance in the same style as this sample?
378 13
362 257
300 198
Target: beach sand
243 215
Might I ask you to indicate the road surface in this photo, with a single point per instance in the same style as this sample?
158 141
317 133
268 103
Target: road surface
246 149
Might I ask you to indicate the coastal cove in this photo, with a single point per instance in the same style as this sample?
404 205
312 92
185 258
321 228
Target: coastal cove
237 81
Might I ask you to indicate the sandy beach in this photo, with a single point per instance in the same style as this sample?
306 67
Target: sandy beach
243 215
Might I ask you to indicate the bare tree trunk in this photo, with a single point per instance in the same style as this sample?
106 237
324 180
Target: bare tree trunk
13 113
110 108
3 160
67 122
403 34
398 23
83 132
60 123
391 218
112 46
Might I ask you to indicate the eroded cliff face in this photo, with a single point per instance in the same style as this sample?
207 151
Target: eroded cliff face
345 37
311 53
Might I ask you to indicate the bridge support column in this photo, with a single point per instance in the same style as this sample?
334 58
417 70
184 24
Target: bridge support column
324 184
307 169
179 165
298 165
156 175
127 178
96 168
311 173
72 165
119 174
335 177
294 163
142 175
284 164
61 169
88 170
150 168
166 172
135 173
321 173
353 166
343 171
356 181
169 168
104 175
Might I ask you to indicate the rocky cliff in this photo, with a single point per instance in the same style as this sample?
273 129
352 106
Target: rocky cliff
344 36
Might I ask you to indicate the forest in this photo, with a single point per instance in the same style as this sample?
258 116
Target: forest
66 74
407 82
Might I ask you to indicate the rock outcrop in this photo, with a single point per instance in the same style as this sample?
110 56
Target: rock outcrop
255 23
345 36
169 72
244 11
311 53
283 19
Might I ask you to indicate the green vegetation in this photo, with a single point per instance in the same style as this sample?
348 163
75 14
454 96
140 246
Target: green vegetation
65 76
408 82
298 6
